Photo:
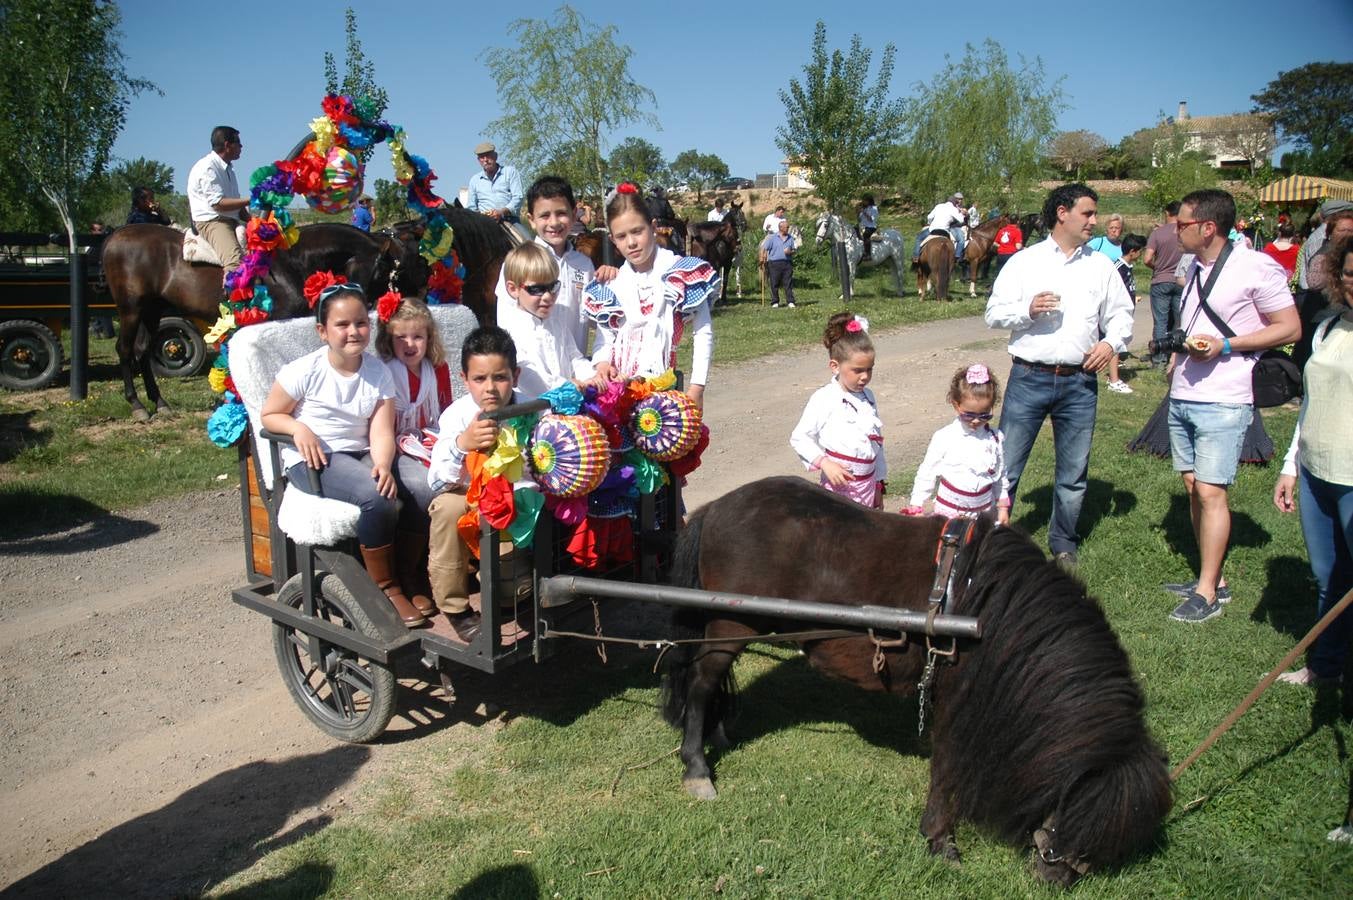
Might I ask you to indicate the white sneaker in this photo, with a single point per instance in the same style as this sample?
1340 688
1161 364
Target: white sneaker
1120 387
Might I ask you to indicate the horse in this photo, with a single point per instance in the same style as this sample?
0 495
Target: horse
889 245
1038 725
981 248
936 261
719 244
145 271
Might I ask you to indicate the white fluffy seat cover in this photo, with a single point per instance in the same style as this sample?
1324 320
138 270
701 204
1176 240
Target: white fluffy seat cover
258 352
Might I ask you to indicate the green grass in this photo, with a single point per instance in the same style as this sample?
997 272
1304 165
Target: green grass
62 462
822 792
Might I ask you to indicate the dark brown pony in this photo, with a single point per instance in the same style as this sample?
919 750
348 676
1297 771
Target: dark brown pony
981 249
936 262
719 243
1036 726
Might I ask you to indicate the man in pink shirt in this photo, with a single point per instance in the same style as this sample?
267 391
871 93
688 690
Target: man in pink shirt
1235 305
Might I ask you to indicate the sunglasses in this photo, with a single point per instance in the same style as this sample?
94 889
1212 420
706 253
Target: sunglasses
540 290
976 417
335 289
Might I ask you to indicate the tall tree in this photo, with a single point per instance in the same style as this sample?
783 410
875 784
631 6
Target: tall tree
979 127
1313 106
390 205
564 87
359 76
1077 153
65 92
699 171
838 124
638 161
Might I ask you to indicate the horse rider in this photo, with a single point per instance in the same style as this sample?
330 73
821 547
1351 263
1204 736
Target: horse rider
496 190
947 217
214 201
664 218
145 211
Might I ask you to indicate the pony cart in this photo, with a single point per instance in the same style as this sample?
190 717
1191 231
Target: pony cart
1037 724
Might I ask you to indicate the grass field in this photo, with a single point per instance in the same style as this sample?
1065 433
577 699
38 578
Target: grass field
822 791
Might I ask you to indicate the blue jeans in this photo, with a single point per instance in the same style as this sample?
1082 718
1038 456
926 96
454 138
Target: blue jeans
1327 525
1071 401
347 477
1164 312
414 493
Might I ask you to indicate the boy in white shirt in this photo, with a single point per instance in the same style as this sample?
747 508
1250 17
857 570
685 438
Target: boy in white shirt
551 210
489 366
546 351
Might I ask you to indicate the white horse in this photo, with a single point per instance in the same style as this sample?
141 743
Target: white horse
888 244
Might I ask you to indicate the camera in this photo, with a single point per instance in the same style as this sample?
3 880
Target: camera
1173 342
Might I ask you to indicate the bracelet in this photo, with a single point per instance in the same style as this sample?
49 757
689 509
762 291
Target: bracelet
1226 346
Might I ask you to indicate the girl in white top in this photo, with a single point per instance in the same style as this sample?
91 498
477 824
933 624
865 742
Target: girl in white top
655 298
338 406
964 467
840 433
406 338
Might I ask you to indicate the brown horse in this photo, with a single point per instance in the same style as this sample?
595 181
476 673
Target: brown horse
1038 726
719 243
937 262
981 248
146 273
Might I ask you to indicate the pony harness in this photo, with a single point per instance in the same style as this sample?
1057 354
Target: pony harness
954 536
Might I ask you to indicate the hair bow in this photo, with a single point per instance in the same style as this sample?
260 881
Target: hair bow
977 374
626 188
857 324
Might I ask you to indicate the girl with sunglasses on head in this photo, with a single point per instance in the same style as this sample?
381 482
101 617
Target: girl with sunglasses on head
338 405
840 433
964 467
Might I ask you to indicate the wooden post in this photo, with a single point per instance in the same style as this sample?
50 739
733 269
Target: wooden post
79 328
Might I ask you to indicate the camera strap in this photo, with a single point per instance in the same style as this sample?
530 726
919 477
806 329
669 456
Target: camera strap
1206 288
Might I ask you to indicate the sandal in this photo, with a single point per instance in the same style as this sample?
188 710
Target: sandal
511 632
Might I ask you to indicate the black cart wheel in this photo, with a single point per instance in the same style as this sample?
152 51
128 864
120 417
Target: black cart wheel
348 696
178 350
30 355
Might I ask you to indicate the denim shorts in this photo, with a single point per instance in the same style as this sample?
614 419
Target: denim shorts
1205 438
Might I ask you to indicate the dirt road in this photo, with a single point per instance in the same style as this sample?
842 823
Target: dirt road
148 746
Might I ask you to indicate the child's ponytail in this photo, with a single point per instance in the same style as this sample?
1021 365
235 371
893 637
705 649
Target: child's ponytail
845 335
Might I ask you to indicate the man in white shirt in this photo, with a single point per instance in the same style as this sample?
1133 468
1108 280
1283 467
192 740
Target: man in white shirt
214 200
771 224
719 211
1068 314
947 216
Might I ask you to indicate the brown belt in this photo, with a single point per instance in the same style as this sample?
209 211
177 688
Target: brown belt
1051 369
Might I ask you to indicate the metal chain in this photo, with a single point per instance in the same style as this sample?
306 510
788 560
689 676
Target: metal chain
597 633
923 689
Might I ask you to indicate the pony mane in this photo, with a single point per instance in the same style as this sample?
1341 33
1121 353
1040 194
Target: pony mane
1045 713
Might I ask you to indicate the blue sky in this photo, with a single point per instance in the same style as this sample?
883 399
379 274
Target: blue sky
716 68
